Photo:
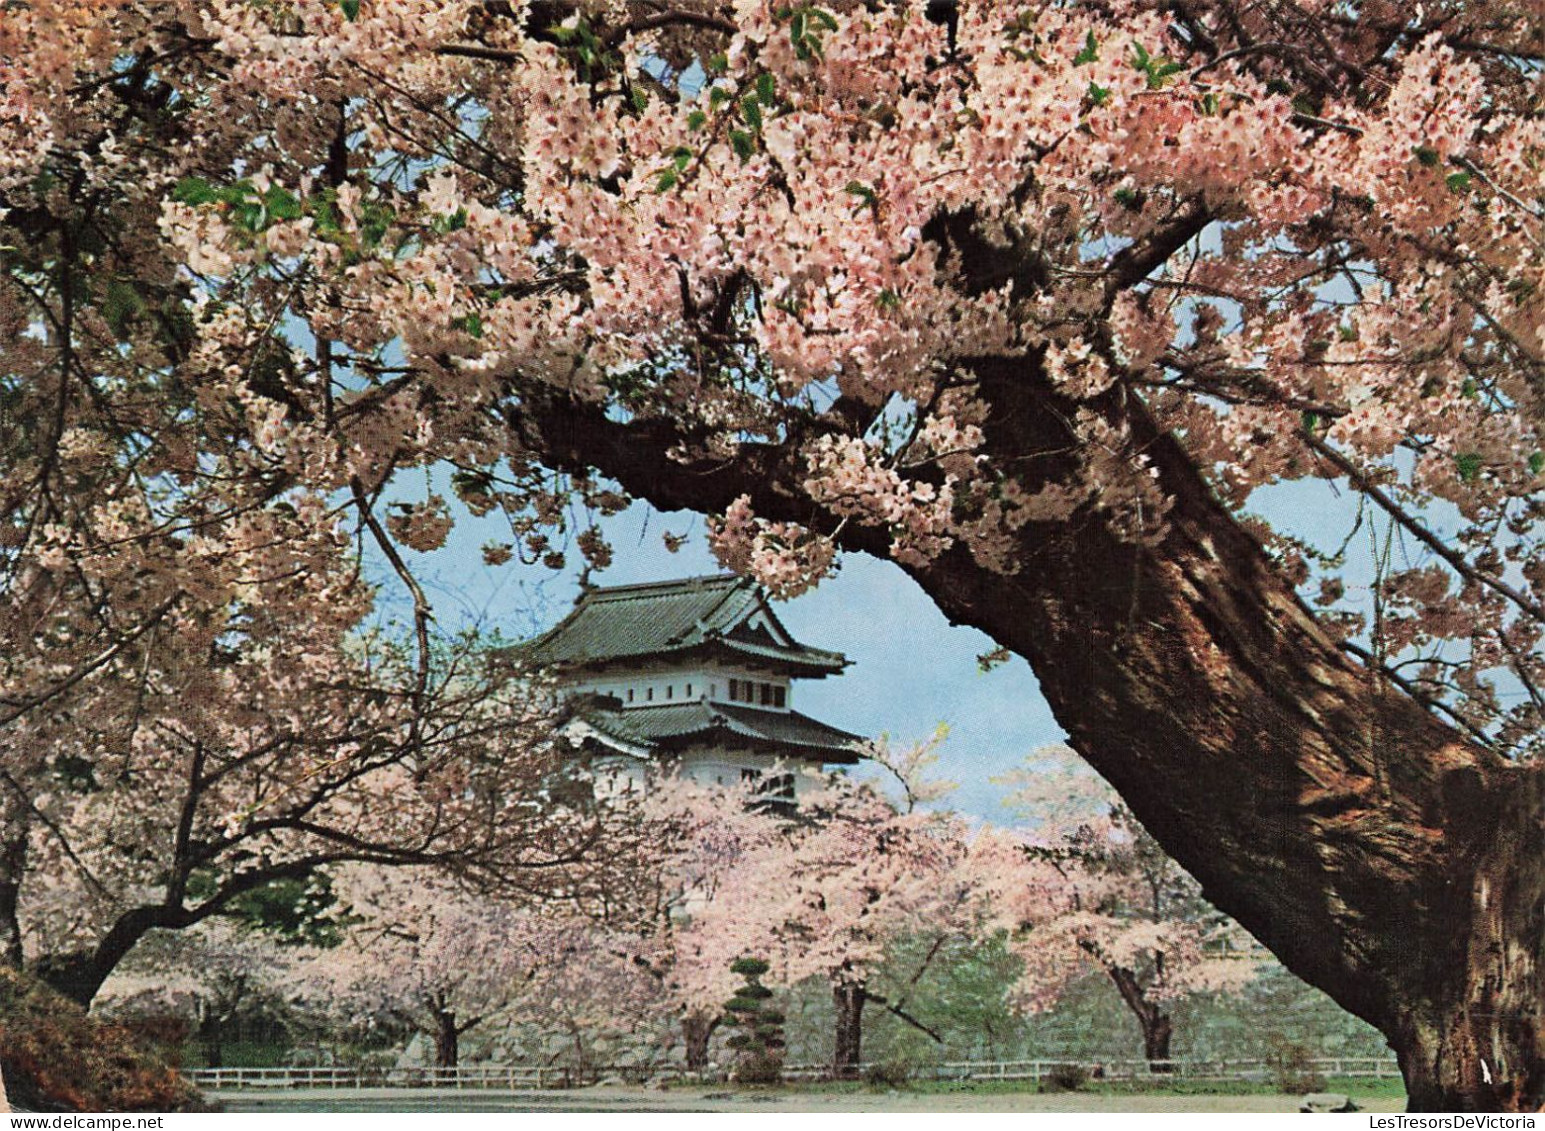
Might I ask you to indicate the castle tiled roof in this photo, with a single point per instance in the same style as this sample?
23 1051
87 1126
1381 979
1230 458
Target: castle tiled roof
669 726
627 622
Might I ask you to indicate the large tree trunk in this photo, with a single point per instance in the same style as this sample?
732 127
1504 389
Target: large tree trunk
1382 856
848 1000
697 1030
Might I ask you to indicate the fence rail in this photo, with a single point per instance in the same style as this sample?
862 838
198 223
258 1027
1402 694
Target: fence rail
514 1077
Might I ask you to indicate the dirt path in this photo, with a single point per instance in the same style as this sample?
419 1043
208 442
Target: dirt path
698 1099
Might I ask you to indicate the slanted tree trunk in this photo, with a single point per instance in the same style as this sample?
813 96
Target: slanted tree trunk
1380 854
848 999
697 1029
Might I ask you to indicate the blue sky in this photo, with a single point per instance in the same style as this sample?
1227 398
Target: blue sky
911 670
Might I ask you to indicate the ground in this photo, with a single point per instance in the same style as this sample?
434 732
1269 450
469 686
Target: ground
711 1099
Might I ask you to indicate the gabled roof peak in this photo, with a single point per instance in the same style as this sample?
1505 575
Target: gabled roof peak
645 589
716 612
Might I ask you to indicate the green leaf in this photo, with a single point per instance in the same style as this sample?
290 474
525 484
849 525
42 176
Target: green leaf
863 192
696 120
248 215
1311 421
281 204
1537 463
350 9
1100 94
470 323
667 181
325 213
1126 197
767 88
718 64
1090 53
718 96
1469 465
888 299
743 145
1209 105
797 27
1140 59
195 191
824 18
751 111
121 305
374 220
1457 182
1426 155
681 156
455 222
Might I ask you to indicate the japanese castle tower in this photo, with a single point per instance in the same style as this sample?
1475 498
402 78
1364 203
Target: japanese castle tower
697 674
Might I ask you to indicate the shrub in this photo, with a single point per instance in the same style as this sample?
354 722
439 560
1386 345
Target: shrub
1292 1068
893 1072
1065 1078
57 1058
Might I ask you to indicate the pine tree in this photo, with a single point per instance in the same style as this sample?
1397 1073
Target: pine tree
758 1039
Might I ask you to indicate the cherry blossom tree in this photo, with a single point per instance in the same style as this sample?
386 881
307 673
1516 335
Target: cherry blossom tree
1089 888
427 951
826 892
221 784
1029 300
207 976
420 950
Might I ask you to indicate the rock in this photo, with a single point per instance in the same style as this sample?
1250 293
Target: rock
1327 1102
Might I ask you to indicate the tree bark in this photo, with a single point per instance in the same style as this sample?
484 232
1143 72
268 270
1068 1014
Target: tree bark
848 1000
1156 1025
697 1029
1156 1037
1381 855
14 830
447 1037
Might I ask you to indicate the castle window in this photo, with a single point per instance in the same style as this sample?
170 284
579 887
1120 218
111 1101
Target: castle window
630 695
670 691
767 694
780 697
649 694
688 692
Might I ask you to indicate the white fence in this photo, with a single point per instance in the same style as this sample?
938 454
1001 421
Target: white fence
512 1077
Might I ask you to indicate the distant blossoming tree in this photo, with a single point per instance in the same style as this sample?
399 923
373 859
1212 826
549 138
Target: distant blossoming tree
1088 888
